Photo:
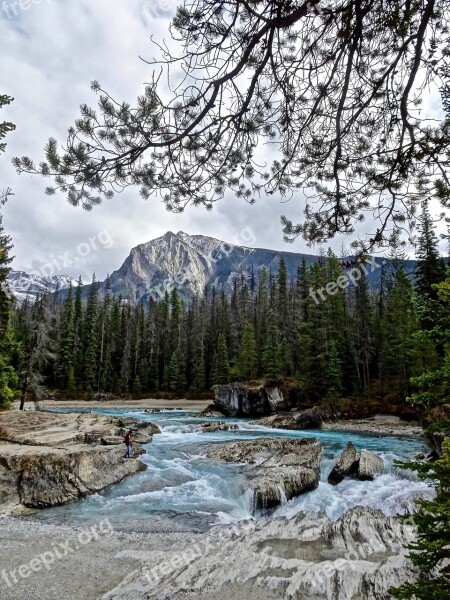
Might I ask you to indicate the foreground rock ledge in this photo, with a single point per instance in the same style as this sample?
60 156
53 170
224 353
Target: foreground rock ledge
283 468
48 459
358 557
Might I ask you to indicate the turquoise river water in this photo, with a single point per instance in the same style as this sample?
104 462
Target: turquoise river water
183 490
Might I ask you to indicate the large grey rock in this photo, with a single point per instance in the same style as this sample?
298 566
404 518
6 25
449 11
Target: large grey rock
38 477
363 465
369 466
306 419
217 426
346 464
359 557
283 468
209 412
239 400
242 400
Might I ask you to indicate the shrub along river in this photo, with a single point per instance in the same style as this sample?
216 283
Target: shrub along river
184 490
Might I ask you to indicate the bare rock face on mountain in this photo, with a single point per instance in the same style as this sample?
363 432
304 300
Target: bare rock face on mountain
25 285
284 468
47 459
363 465
358 557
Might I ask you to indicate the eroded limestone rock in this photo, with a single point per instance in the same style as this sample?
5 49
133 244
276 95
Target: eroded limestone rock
284 468
358 557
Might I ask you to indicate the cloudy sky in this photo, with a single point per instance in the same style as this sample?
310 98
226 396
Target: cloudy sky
51 50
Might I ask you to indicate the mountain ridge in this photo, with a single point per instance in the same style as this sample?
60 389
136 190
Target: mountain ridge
192 263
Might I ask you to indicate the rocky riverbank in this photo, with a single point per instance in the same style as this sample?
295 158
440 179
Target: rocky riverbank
281 408
360 556
48 459
385 425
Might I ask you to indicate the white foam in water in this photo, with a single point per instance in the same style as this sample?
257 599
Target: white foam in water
390 493
181 480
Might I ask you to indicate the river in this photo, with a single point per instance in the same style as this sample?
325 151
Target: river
182 490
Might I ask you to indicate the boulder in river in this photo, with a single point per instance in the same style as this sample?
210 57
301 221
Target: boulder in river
369 466
218 426
364 465
310 418
209 412
284 468
346 464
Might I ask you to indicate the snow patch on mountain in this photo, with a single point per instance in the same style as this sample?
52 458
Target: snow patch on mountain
24 285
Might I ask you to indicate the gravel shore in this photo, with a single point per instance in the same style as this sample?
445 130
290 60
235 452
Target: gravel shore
379 425
87 567
132 404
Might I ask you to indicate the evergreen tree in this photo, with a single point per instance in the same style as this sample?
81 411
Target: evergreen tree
222 365
248 356
173 373
105 338
431 267
8 378
78 333
431 550
272 356
334 373
66 343
90 381
137 387
433 384
200 377
125 363
398 351
38 353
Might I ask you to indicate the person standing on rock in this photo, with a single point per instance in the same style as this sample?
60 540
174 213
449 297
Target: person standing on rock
128 443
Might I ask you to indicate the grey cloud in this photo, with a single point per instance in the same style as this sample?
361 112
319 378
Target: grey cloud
53 51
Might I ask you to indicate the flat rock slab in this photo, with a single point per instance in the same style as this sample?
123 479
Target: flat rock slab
59 429
48 459
283 468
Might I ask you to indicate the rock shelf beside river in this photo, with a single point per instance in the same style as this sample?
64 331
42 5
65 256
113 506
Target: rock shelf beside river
360 556
48 459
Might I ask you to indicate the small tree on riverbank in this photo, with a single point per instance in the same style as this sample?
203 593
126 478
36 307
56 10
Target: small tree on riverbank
431 551
8 378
